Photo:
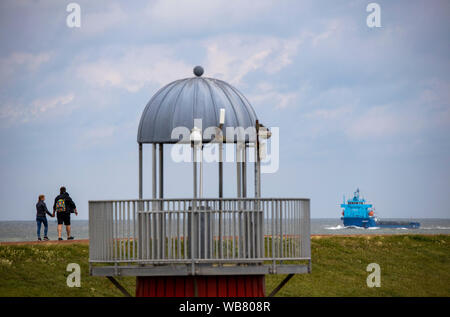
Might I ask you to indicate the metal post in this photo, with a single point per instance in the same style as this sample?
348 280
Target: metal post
119 287
257 164
280 286
239 195
260 213
244 170
151 218
191 217
238 169
245 216
220 170
220 196
161 170
161 216
201 172
194 153
154 171
140 171
140 204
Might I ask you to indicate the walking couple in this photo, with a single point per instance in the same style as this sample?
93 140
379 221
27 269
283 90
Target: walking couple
63 207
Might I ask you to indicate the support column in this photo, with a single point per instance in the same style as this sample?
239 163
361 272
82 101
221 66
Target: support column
154 171
257 164
161 170
140 171
220 170
140 205
220 196
260 216
194 168
246 216
201 173
151 218
244 170
238 170
192 216
161 216
239 195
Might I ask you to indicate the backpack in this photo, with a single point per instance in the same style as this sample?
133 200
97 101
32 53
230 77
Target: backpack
61 205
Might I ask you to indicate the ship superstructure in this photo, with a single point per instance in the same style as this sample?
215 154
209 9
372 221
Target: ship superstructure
358 213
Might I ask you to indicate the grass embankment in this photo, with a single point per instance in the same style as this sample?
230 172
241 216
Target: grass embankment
411 265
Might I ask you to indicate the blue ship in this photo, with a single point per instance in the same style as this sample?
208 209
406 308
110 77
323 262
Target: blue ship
358 213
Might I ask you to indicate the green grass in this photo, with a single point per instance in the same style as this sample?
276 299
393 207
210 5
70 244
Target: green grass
411 265
40 270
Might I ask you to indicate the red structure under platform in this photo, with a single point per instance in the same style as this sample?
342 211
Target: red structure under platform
207 286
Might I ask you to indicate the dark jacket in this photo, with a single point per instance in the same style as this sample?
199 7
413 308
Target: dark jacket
41 209
70 205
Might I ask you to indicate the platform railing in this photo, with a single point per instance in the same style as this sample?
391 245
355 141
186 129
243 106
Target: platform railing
176 231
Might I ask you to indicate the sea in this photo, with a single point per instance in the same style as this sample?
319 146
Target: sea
26 230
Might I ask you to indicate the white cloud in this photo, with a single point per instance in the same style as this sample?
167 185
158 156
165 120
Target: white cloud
378 121
330 114
135 68
430 110
106 134
276 99
200 15
9 111
100 132
95 136
232 57
229 58
267 95
341 111
38 108
333 29
19 62
105 18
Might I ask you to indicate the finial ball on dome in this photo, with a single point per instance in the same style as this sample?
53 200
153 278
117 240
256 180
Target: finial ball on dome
198 71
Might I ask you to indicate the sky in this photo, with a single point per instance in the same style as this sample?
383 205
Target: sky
355 106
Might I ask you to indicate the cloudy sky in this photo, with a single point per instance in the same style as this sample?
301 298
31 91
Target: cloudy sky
356 106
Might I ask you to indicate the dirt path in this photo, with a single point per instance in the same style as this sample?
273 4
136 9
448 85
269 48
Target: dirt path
84 241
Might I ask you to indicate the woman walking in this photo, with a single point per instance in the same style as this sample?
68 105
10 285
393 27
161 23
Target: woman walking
41 211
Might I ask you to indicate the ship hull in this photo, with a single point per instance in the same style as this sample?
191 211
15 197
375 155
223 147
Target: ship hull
398 224
371 223
359 222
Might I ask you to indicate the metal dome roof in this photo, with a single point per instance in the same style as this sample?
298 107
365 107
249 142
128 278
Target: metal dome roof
180 102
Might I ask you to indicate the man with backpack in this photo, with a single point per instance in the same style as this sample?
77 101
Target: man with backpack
63 207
